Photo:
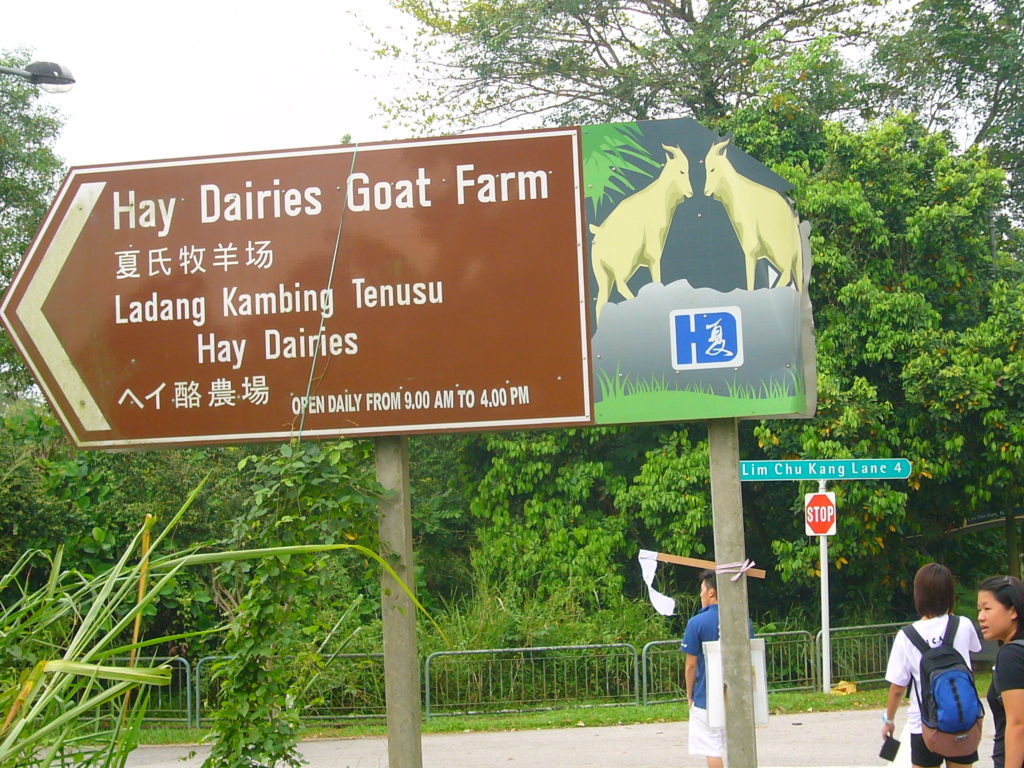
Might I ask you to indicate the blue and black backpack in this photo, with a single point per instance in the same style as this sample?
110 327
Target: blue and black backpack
951 711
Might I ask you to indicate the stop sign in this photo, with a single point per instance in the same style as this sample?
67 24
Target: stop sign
820 514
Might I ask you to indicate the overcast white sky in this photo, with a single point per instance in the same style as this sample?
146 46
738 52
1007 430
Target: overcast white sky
198 77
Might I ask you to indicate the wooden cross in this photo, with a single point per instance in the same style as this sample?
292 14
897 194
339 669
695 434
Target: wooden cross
694 562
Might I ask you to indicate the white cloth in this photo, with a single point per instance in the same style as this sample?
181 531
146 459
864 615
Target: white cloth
663 604
703 739
905 660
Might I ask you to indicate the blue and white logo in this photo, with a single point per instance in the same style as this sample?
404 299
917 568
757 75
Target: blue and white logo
711 337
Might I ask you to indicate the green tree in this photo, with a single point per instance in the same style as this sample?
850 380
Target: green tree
972 384
595 61
442 526
305 493
93 501
957 63
32 516
902 270
29 174
546 504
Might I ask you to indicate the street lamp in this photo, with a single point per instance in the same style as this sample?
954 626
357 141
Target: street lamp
49 76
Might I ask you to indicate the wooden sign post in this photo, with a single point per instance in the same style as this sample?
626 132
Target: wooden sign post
398 614
727 516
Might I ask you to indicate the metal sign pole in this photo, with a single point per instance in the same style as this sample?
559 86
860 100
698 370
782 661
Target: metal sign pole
826 641
401 662
727 512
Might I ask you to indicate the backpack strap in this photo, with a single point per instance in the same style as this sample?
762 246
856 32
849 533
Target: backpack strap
915 637
947 637
918 642
951 626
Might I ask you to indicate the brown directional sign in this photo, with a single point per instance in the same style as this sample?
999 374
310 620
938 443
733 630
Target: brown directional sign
421 286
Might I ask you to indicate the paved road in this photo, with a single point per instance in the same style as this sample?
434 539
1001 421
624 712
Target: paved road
822 740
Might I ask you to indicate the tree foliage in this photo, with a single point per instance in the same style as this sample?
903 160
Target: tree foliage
29 174
957 63
92 502
595 61
443 530
303 494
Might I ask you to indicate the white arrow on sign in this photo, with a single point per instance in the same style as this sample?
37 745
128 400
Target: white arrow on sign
30 309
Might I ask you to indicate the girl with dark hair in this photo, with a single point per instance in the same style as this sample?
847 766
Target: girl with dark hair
1000 608
934 596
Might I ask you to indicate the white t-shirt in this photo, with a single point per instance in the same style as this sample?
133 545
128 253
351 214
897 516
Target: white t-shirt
905 659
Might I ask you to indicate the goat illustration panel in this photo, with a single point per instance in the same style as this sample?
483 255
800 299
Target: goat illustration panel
764 221
683 224
634 233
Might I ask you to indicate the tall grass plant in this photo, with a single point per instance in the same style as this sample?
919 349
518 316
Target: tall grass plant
66 695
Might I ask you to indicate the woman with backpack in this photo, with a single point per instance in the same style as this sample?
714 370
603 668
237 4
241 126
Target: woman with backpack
937 629
1000 606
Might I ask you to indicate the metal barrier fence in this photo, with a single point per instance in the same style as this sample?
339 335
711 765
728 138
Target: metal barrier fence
790 665
517 679
520 679
347 686
664 672
207 686
170 703
859 654
790 661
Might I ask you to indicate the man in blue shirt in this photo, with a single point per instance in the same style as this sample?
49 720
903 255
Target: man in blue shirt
703 740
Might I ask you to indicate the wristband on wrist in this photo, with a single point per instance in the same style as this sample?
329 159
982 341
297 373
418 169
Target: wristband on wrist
886 720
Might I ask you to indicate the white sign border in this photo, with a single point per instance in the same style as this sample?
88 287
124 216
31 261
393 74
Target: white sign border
282 435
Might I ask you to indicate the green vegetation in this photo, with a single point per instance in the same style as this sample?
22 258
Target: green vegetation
78 701
63 694
304 495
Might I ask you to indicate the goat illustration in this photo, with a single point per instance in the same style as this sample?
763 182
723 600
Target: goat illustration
633 235
762 218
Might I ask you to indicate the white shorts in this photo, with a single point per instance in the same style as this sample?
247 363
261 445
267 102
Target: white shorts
705 740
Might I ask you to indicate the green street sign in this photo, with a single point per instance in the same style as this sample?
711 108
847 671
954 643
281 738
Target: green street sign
825 469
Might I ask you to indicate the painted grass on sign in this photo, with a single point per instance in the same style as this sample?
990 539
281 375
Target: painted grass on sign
682 406
618 386
771 389
624 400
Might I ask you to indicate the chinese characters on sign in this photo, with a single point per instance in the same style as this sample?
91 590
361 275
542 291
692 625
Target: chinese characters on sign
355 290
707 338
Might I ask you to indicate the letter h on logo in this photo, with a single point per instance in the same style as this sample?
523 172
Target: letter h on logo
706 338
